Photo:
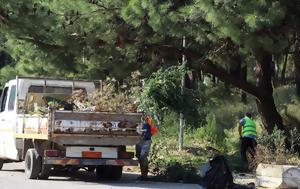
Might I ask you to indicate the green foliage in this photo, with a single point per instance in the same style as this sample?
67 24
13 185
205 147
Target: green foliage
93 39
169 124
220 128
164 155
288 105
162 91
210 132
231 142
99 38
66 36
220 131
275 143
6 73
243 21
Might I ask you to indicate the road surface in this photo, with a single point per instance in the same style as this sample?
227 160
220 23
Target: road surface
12 176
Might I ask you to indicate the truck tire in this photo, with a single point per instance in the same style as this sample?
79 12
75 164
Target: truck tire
32 164
45 172
109 172
1 163
91 169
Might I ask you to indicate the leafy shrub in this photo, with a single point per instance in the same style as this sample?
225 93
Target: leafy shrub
209 132
6 73
220 129
162 91
272 147
288 105
231 140
169 164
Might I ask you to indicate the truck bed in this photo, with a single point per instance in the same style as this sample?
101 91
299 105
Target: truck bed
82 128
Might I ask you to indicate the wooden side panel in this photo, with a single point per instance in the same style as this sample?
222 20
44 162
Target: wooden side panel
32 126
97 123
98 116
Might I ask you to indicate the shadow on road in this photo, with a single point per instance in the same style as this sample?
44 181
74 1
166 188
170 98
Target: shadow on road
89 177
128 180
14 170
14 176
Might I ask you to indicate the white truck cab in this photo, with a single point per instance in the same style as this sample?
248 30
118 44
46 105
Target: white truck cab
8 118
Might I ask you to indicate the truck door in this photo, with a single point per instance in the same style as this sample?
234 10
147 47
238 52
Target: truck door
8 124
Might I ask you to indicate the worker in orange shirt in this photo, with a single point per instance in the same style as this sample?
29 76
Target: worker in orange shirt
143 147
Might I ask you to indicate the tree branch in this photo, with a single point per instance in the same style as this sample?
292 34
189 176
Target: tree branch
208 67
4 18
42 44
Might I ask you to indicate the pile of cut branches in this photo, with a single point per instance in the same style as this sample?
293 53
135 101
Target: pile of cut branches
105 100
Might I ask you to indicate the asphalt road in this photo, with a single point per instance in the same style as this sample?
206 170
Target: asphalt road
12 176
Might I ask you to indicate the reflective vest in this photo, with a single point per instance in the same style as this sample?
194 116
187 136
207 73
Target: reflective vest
249 127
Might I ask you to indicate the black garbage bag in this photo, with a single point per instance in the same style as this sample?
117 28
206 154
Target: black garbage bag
219 176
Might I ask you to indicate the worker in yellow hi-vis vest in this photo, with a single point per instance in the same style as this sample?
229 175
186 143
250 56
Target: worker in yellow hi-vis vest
247 131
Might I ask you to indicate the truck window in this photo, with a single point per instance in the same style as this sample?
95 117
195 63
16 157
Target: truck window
12 98
49 89
3 99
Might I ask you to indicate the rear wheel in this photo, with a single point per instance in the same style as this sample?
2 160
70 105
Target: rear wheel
1 163
45 172
109 172
91 169
32 164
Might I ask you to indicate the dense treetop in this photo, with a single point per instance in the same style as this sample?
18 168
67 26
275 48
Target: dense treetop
99 38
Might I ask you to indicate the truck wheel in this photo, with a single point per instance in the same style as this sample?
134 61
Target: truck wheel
102 172
91 169
1 163
32 164
45 172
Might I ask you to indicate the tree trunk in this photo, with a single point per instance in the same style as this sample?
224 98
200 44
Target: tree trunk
297 64
200 75
284 68
244 78
190 80
265 102
263 91
298 82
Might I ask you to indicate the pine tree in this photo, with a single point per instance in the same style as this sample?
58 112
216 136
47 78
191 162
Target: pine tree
93 39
